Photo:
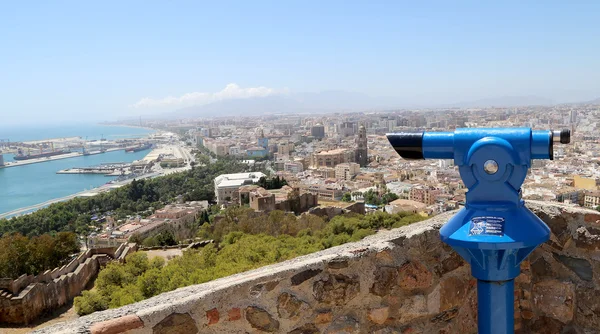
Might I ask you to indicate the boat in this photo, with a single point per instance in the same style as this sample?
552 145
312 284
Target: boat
21 156
139 148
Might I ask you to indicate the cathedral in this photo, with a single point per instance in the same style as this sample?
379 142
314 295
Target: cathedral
361 147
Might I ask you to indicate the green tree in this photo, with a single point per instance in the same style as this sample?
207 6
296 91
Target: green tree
23 255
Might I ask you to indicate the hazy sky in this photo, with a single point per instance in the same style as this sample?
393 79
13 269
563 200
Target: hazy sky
104 59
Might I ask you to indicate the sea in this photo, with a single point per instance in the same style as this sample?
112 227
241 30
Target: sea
27 185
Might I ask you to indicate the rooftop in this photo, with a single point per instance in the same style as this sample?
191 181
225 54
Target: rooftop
237 179
334 151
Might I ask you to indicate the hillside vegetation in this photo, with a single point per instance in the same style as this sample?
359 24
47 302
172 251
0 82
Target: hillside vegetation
246 241
22 255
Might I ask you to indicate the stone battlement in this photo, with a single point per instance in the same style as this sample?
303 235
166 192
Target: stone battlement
399 281
24 299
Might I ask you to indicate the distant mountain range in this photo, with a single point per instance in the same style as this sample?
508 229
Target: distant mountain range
339 101
506 101
330 101
595 101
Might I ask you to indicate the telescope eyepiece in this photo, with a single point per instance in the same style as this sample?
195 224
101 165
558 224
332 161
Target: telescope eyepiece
561 136
409 145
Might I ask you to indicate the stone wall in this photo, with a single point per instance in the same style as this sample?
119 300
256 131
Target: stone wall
26 298
399 281
332 211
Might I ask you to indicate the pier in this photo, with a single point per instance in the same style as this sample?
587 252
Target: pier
56 157
108 169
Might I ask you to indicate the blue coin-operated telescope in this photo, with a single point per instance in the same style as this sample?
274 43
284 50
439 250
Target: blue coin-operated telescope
494 232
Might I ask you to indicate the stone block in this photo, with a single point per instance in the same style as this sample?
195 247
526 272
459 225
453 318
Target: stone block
588 238
343 325
412 308
336 289
547 325
591 218
385 280
555 299
323 317
581 267
385 256
305 275
527 314
449 263
588 308
117 325
453 291
378 315
289 306
337 264
176 323
305 329
212 316
414 276
261 319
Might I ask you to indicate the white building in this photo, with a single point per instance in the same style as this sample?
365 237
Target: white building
293 167
227 184
346 171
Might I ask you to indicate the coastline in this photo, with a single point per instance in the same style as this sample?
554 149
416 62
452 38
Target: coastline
86 193
30 207
11 174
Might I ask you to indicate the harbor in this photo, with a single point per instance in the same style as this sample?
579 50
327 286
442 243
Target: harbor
60 179
33 182
17 163
38 151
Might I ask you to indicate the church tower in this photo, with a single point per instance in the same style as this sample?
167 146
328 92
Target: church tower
361 147
262 140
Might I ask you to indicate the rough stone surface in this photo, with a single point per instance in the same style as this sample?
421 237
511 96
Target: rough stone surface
336 289
385 280
414 275
555 299
338 264
323 317
379 315
546 325
344 324
581 267
176 323
306 329
413 307
453 291
588 307
305 275
212 316
399 281
289 306
234 314
261 319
